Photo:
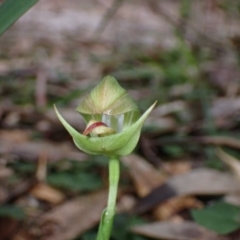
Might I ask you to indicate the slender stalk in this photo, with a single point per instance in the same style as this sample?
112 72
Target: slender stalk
105 227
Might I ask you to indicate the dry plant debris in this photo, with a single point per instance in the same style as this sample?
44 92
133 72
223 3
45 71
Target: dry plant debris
183 53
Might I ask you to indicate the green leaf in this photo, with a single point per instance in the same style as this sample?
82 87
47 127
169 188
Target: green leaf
174 150
11 10
220 217
12 211
23 167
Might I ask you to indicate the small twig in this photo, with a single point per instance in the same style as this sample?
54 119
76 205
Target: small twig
41 88
212 140
107 17
19 73
41 171
181 23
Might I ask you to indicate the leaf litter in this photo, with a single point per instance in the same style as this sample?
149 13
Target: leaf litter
196 85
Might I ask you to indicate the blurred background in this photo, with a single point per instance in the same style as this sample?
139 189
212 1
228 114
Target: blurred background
184 54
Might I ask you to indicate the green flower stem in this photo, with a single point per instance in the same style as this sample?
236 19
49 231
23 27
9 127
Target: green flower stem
112 197
105 227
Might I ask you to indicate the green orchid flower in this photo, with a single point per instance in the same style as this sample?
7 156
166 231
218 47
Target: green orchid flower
113 129
113 119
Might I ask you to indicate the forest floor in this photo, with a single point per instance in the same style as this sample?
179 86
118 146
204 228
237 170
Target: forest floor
182 181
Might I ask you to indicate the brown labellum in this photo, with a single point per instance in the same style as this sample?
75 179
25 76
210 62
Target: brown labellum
93 126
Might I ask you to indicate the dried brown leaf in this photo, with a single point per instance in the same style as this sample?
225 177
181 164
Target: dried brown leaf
178 166
16 136
204 181
174 205
231 161
144 175
9 227
178 231
72 218
233 198
47 193
32 150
